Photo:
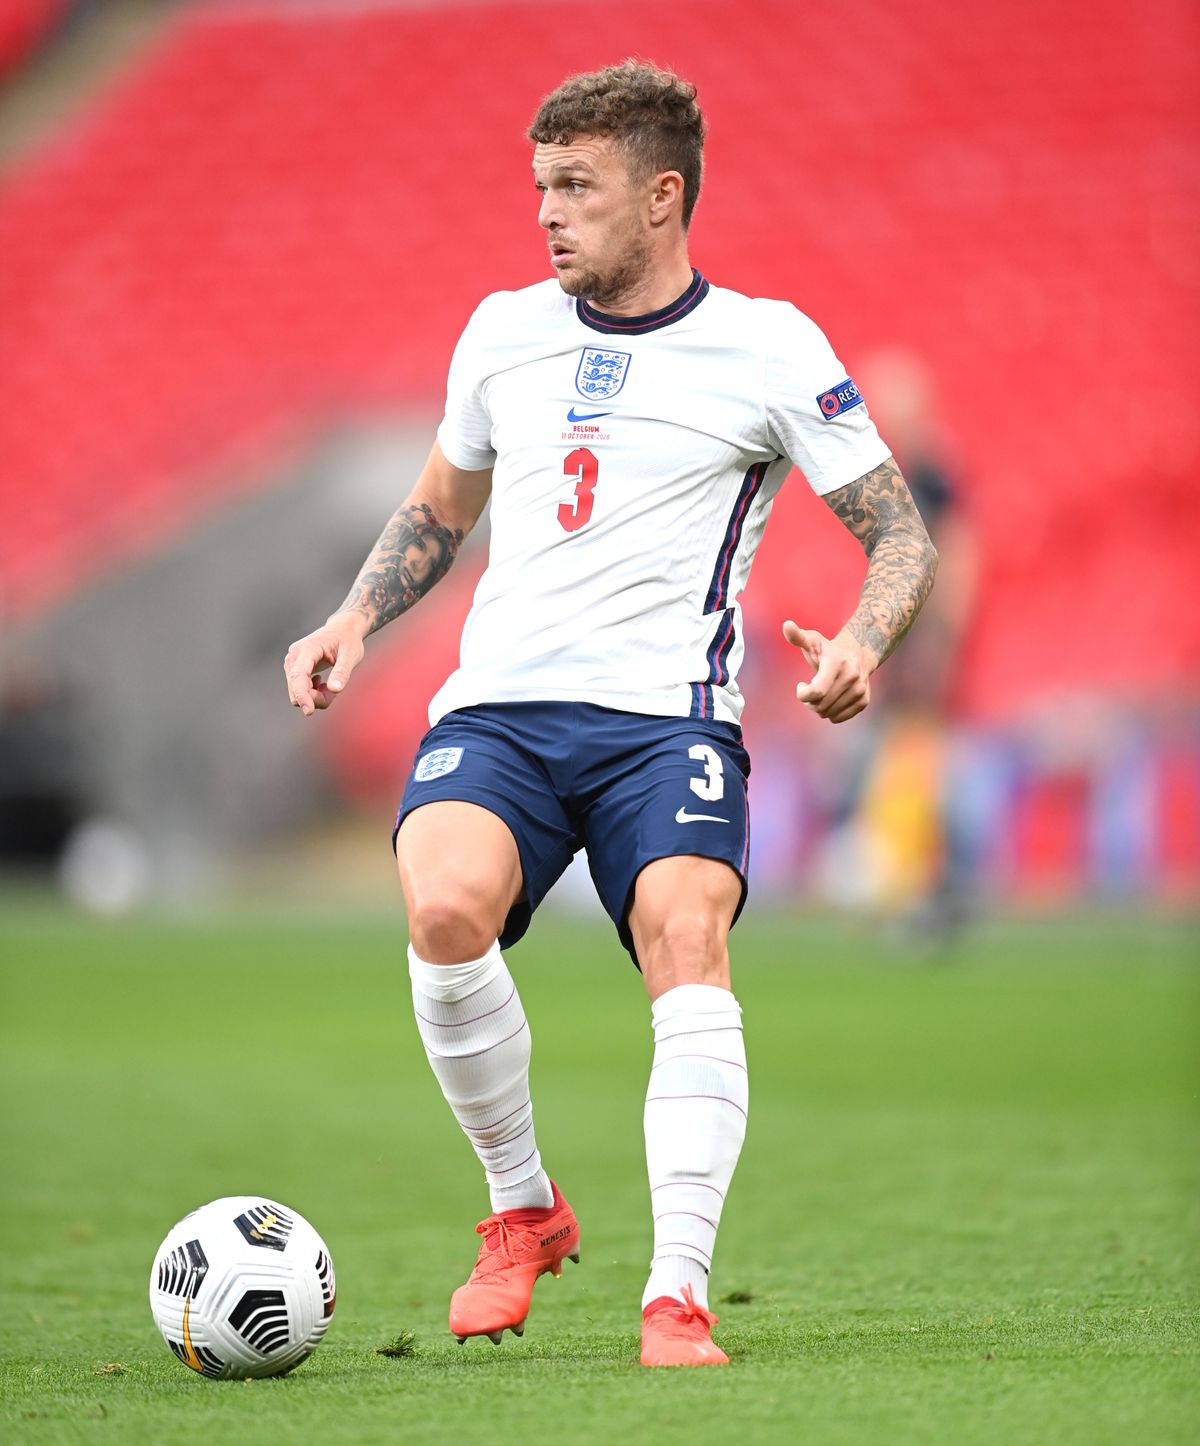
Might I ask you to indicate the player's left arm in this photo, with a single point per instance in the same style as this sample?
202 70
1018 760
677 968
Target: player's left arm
901 562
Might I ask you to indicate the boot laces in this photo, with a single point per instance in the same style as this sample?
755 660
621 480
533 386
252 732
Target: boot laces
692 1311
502 1237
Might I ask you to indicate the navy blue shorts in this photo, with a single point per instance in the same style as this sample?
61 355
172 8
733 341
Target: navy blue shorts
628 787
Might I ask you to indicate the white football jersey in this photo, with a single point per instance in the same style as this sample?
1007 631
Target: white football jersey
635 461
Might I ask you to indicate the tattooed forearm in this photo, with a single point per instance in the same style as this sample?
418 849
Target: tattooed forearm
879 510
414 551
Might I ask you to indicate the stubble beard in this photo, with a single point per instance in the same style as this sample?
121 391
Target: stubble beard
609 288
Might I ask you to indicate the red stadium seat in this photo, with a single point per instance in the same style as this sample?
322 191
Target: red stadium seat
23 25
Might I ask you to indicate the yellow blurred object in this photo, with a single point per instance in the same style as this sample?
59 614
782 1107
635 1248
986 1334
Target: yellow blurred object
900 812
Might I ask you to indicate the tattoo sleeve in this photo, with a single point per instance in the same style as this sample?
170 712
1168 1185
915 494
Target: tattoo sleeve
879 510
413 553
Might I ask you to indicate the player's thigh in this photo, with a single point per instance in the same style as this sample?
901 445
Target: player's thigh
677 792
682 910
481 832
454 854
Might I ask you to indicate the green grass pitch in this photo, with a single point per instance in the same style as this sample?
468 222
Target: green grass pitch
967 1210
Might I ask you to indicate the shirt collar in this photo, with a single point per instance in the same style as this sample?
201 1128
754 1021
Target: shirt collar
635 325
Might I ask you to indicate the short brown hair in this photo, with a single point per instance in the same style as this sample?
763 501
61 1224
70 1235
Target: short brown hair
651 113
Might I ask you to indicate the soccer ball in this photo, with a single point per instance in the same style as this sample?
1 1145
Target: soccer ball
242 1287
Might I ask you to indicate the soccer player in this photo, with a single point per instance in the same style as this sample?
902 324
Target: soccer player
631 423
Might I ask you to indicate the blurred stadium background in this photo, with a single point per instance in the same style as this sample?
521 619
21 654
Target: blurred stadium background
238 240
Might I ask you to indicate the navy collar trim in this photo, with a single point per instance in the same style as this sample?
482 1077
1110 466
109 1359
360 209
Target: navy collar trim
652 320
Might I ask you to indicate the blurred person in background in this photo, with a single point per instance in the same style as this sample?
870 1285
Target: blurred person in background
631 425
899 843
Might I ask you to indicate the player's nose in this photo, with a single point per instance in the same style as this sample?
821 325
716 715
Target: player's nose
548 212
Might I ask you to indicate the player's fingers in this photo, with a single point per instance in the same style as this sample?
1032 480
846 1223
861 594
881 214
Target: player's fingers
299 686
304 659
302 665
321 696
809 642
835 689
349 655
822 685
849 708
822 707
848 697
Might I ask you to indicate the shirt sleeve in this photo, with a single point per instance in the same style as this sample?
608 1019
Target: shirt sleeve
815 414
465 433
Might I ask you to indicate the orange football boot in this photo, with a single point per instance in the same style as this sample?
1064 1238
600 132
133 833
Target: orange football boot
518 1246
679 1333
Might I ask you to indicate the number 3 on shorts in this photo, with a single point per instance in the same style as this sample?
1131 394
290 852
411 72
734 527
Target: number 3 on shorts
712 785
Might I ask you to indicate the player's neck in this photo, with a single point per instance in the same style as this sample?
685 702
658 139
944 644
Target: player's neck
657 289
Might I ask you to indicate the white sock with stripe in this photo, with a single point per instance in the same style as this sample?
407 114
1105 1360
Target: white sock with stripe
473 1027
695 1123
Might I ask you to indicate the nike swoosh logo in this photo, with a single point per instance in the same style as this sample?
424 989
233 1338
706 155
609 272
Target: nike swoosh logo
585 416
190 1358
684 817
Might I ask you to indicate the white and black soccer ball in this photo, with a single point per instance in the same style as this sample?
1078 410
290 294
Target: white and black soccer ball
242 1287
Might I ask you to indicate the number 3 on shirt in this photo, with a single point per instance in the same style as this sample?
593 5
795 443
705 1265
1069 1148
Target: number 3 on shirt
581 464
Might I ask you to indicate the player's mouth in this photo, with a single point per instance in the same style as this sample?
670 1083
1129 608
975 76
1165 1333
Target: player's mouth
560 255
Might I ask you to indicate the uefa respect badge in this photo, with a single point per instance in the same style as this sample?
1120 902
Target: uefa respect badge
839 399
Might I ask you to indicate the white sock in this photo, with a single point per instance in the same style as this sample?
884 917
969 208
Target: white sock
670 1273
471 1022
695 1122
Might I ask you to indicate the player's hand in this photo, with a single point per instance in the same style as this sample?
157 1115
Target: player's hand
841 685
338 645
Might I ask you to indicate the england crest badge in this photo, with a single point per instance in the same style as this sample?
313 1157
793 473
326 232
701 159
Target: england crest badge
601 373
435 764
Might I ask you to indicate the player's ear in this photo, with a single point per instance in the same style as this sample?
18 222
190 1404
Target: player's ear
666 199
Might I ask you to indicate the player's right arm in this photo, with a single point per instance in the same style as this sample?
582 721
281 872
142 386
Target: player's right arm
414 551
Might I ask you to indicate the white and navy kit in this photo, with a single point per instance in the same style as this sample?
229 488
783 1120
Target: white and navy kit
635 461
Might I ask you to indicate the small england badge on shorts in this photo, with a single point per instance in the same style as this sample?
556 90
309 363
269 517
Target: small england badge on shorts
437 763
601 373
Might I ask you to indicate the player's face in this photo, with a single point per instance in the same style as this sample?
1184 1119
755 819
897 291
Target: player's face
595 219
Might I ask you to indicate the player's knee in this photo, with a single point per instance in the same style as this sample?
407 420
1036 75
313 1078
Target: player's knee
449 922
690 945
